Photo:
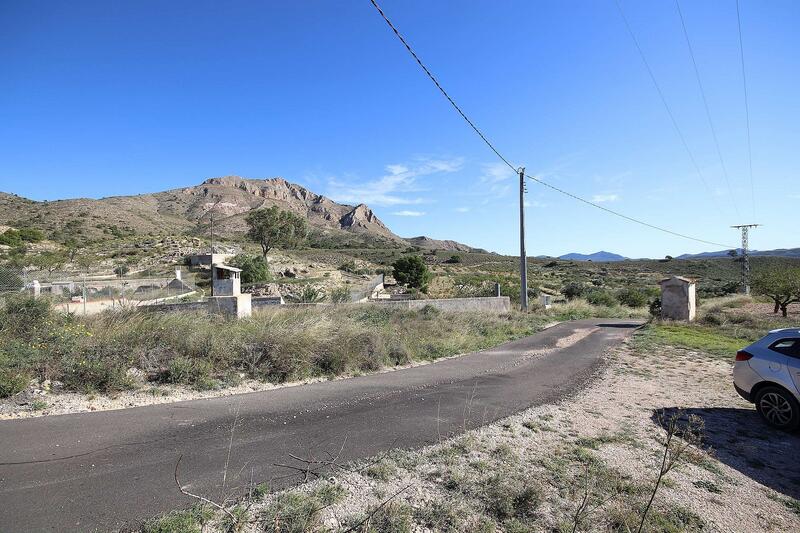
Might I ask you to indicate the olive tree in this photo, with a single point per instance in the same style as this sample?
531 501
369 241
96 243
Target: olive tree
271 227
781 283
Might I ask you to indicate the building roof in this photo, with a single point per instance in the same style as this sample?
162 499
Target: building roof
677 278
223 266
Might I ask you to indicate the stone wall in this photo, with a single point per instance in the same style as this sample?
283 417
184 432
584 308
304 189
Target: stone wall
492 304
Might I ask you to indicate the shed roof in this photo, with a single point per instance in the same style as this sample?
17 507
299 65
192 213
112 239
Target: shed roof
223 266
677 278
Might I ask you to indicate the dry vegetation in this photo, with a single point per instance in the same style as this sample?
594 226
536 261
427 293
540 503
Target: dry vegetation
163 354
588 463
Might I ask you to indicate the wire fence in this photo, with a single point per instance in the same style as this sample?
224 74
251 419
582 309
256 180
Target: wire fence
86 293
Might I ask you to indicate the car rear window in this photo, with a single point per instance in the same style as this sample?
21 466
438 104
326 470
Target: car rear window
790 347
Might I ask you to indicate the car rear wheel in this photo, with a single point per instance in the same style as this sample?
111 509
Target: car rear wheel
778 408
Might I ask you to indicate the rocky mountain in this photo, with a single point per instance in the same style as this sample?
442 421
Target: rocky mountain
190 209
597 256
436 244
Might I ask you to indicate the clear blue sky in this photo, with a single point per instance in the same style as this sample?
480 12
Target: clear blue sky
105 98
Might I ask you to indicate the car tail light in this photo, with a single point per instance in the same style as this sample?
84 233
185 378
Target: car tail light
741 355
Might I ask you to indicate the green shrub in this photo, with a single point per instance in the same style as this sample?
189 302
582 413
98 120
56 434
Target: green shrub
194 372
573 290
340 295
12 381
632 297
254 268
600 297
299 512
189 521
309 295
93 374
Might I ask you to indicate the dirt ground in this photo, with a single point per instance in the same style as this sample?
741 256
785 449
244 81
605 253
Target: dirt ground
745 476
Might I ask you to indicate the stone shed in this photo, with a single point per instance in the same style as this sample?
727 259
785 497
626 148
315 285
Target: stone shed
227 297
678 298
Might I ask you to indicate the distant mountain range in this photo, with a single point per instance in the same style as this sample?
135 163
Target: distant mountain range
597 256
609 256
780 252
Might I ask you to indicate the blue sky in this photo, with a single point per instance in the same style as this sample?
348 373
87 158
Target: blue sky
110 98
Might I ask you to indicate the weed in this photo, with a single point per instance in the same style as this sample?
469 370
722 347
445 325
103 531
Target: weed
390 518
710 486
189 521
297 511
38 405
383 470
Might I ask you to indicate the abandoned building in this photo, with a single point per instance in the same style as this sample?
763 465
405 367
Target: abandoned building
226 292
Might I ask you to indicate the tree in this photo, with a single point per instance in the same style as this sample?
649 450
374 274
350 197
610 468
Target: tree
73 247
121 270
412 271
781 283
271 227
254 269
49 261
733 253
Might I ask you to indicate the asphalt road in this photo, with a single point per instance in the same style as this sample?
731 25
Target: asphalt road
112 469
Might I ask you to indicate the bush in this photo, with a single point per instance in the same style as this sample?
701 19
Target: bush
412 272
655 308
95 374
599 297
454 259
340 295
573 290
12 381
194 372
632 297
254 268
309 295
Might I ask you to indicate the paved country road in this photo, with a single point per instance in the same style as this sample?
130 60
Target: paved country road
112 469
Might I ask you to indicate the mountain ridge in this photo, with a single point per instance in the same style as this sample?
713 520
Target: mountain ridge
189 209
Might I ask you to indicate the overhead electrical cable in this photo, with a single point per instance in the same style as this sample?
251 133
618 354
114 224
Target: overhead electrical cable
669 109
626 217
746 111
705 102
507 162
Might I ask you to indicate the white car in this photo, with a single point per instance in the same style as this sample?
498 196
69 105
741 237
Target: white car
767 373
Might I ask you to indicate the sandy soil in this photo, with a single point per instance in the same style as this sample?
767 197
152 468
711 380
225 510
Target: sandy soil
744 478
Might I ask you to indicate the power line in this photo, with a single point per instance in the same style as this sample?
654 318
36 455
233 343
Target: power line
439 86
746 110
668 109
705 101
626 217
506 161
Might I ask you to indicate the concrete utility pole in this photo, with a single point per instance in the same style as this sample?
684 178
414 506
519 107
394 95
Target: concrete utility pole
523 260
745 258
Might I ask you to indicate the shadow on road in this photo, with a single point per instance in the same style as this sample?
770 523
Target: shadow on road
739 438
624 325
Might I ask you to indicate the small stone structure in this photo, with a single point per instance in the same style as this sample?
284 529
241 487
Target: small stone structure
546 301
35 288
226 286
678 298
